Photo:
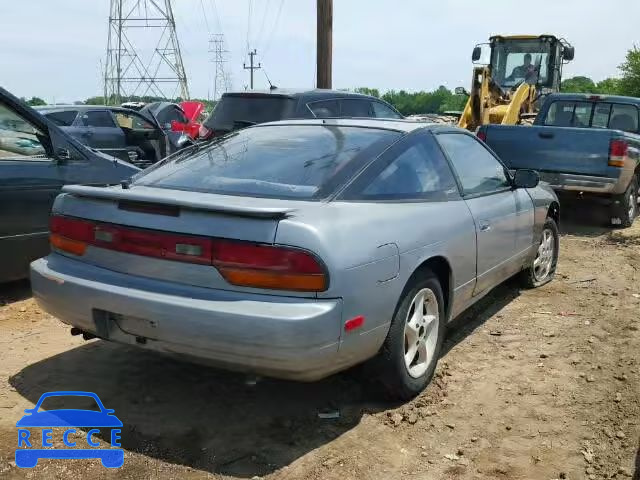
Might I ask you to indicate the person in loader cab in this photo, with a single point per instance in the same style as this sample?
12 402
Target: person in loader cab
523 71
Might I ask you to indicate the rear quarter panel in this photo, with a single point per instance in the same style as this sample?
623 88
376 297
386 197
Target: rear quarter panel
371 250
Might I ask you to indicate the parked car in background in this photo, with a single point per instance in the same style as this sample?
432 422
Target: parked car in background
297 249
583 145
126 134
36 160
237 110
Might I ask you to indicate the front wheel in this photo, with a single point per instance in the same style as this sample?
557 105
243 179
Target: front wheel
542 268
411 350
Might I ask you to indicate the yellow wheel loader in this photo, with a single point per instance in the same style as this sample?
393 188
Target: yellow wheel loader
506 86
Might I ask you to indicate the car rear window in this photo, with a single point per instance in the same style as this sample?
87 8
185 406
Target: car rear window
238 111
280 161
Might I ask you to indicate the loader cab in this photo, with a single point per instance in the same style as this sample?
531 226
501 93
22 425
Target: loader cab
536 60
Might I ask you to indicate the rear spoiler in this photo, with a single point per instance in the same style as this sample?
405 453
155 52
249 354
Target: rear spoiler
188 200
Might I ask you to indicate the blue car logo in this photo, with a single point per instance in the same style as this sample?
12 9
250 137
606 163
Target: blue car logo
28 452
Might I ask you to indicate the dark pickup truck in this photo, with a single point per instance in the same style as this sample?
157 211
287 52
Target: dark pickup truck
582 145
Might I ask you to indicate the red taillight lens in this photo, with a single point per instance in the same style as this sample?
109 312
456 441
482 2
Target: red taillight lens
240 263
267 266
617 152
482 136
70 235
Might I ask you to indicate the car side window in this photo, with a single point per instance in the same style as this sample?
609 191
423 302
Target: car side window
624 117
18 138
414 169
355 107
63 118
380 110
478 170
569 114
325 108
97 118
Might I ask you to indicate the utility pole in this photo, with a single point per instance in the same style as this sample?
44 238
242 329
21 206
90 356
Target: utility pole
324 42
251 66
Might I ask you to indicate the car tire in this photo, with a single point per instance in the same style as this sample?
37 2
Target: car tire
625 206
542 268
402 375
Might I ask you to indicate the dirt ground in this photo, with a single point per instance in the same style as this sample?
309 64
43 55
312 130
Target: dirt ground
533 384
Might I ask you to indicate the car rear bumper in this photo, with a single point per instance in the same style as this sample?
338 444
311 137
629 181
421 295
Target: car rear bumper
286 337
579 183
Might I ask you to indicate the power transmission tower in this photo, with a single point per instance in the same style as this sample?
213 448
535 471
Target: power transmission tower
143 52
221 79
324 42
251 66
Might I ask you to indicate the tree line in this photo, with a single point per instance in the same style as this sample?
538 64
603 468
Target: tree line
442 99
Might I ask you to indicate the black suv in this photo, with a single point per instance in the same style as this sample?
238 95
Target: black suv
241 109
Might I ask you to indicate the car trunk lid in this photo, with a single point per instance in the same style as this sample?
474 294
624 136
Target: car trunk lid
151 217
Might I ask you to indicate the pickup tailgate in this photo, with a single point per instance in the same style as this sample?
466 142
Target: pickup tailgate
582 151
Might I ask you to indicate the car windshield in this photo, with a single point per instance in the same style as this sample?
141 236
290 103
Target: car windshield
517 61
238 111
283 161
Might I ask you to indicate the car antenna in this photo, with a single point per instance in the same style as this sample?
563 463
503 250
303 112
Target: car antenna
271 85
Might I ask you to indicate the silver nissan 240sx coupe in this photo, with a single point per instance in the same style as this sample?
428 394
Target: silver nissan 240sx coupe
297 249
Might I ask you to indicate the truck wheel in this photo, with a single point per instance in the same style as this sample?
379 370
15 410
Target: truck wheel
542 268
625 206
411 350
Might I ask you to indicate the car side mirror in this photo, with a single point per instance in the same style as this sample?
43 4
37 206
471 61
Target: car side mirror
166 126
476 54
526 178
63 155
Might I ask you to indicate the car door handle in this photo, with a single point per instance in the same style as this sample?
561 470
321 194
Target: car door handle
87 134
545 134
484 226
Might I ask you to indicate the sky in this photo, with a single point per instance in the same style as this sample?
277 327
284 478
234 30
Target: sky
56 49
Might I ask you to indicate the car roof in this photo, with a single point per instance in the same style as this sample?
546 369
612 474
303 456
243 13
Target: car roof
398 125
595 97
309 94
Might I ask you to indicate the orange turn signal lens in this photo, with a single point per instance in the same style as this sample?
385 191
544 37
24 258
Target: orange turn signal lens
616 163
67 245
280 281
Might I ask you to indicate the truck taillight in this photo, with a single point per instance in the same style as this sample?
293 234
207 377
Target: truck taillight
617 152
240 263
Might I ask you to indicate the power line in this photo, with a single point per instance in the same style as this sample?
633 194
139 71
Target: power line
204 14
264 18
273 29
249 25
